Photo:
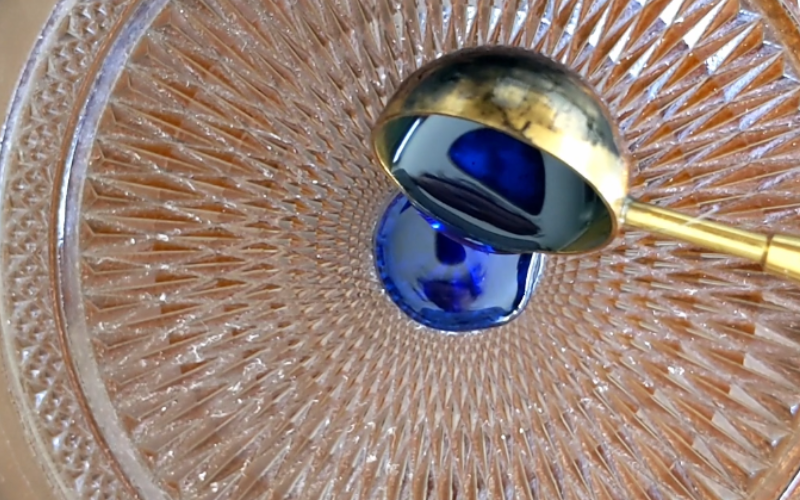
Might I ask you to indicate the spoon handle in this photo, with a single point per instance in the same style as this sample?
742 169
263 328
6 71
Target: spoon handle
778 254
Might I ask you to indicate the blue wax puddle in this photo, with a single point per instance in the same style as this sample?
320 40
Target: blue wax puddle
443 283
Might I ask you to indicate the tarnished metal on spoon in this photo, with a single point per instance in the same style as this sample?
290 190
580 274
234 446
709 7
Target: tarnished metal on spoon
512 151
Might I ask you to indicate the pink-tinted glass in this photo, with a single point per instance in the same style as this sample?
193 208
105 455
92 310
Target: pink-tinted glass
189 298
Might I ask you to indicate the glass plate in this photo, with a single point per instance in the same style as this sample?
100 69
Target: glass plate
190 308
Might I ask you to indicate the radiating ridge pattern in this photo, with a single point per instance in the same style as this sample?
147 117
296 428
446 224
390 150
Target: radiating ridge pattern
226 235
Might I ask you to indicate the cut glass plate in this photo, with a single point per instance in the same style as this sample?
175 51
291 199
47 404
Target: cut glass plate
190 303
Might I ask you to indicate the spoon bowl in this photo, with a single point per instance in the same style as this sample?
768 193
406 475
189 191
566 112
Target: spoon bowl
511 150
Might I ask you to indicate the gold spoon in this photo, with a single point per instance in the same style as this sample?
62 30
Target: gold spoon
512 151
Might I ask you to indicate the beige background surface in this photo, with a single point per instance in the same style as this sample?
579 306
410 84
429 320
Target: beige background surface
21 478
20 22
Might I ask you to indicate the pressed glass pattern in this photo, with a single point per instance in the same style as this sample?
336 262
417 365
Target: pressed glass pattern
190 303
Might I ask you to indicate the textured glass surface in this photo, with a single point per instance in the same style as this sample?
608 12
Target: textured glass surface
189 297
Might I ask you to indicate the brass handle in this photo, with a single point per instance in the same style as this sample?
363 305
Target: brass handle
778 254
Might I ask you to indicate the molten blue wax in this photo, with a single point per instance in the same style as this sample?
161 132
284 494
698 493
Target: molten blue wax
443 284
512 169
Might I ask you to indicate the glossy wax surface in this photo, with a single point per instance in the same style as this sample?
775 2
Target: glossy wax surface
489 187
444 283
